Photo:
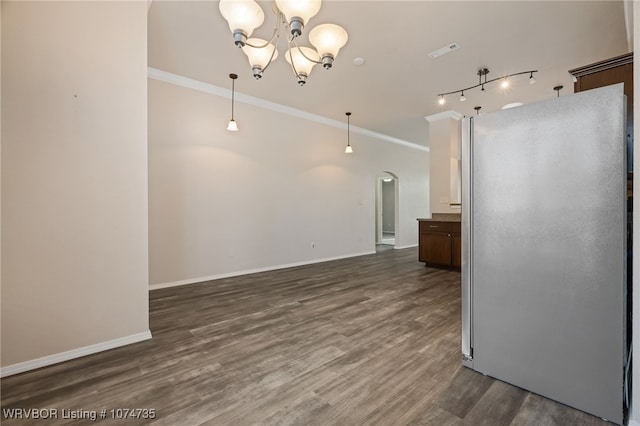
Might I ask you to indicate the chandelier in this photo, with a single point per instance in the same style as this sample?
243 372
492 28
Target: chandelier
244 16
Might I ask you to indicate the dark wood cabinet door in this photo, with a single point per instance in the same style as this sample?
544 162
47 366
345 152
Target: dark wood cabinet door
456 251
435 248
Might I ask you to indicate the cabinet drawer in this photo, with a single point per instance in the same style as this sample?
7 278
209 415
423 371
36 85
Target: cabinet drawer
426 226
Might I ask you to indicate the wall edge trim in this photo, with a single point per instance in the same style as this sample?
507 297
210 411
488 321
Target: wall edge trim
252 271
44 361
210 89
455 115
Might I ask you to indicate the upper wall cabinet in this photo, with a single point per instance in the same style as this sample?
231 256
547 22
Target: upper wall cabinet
604 73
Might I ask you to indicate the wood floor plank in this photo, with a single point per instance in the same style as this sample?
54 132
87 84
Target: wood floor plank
539 411
498 406
367 340
464 392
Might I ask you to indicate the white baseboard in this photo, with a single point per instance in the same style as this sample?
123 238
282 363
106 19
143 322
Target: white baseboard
404 247
21 367
252 271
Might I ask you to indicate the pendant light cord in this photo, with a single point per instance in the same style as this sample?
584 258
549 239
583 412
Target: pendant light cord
233 95
348 114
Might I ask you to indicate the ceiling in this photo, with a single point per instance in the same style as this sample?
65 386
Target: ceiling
397 86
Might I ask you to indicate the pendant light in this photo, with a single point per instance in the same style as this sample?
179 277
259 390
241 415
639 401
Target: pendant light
232 126
348 149
558 89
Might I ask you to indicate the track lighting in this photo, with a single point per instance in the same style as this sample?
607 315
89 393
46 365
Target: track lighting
348 149
232 126
482 81
244 16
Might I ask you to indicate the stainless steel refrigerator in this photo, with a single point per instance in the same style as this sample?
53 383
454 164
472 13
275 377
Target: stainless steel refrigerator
544 248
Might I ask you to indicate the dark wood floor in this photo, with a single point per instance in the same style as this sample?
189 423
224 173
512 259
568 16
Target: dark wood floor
368 340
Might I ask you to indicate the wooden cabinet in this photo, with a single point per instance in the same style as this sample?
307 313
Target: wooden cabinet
604 73
440 243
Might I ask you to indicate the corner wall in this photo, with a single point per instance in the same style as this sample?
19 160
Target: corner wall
279 192
74 179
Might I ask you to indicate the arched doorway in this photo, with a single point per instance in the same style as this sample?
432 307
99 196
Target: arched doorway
387 185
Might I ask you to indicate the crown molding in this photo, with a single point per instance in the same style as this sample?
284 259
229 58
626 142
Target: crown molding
203 87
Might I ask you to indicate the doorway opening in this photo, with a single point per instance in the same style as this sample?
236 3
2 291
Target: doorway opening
386 210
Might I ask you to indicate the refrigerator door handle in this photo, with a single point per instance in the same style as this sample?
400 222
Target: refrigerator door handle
467 240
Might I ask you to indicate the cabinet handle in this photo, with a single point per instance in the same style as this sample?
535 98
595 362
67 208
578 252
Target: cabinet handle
449 235
434 226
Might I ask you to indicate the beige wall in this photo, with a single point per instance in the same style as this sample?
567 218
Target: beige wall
280 191
74 177
444 136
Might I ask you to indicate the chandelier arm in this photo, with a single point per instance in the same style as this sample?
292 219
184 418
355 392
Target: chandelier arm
264 45
302 53
293 67
270 58
276 35
486 82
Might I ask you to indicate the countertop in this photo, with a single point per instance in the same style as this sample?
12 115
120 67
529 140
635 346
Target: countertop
443 217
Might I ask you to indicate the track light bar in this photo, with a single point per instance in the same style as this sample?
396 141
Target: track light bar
482 75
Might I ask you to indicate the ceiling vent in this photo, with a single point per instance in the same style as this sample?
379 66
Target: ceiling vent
444 50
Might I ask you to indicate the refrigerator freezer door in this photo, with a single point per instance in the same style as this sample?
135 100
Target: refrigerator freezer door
548 248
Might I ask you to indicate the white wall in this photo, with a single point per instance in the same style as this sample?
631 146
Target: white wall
280 191
74 179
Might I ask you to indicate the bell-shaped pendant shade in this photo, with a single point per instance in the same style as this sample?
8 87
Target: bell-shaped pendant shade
348 150
328 39
301 64
303 9
245 15
260 57
232 126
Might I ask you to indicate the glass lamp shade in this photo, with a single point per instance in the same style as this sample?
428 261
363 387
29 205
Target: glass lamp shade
301 64
259 56
303 9
348 150
245 15
328 39
232 126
